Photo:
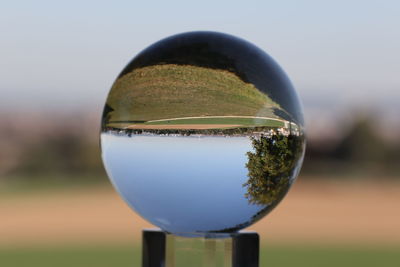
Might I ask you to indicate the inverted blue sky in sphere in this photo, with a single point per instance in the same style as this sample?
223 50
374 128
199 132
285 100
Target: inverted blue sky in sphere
182 184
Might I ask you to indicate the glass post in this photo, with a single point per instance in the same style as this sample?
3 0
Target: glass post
217 250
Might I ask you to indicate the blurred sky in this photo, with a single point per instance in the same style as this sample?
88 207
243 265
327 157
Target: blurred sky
66 54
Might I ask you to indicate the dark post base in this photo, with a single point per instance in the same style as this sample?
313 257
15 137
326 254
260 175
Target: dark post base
244 251
153 248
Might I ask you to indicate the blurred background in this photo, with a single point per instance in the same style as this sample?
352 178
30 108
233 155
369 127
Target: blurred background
59 59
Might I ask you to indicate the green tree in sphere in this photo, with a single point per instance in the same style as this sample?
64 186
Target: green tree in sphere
270 166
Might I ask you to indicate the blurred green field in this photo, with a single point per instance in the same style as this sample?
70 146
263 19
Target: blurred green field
129 256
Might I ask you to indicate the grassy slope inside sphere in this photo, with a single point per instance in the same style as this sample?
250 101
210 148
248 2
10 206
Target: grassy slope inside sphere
177 91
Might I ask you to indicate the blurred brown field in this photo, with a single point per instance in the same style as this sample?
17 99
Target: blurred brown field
316 211
53 189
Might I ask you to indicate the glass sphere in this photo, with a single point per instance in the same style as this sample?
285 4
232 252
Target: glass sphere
202 133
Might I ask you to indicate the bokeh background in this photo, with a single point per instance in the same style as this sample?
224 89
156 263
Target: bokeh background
59 59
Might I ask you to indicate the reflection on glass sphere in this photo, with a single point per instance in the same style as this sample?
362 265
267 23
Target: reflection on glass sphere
202 132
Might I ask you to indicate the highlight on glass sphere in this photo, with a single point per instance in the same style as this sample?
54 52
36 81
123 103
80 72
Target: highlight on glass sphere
202 133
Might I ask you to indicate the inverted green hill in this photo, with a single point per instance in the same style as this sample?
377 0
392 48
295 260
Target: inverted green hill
176 91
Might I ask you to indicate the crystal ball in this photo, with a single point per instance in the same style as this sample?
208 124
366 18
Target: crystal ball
202 133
